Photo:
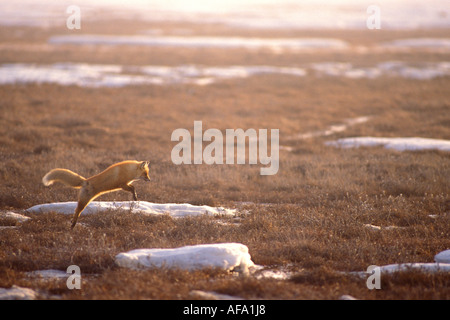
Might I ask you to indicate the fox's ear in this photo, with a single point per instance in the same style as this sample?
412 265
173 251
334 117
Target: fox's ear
145 164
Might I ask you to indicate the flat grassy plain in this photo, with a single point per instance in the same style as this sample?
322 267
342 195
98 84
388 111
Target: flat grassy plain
309 219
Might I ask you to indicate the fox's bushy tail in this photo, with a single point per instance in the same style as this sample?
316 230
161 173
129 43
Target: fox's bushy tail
67 177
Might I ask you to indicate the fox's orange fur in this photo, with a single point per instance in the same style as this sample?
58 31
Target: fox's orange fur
119 176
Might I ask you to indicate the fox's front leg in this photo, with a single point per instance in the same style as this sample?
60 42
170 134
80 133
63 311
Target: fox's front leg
130 188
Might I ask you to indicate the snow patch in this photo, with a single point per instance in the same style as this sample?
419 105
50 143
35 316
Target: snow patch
336 128
416 266
172 209
226 256
345 69
79 74
424 71
17 293
400 144
276 44
419 43
92 75
378 228
7 228
13 216
273 274
420 71
431 267
443 257
49 274
96 75
442 264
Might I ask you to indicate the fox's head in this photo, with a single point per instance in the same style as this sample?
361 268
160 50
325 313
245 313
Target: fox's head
145 166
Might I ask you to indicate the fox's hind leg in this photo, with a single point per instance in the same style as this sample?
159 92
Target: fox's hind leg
78 210
83 201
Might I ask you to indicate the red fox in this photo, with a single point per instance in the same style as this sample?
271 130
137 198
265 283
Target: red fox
119 176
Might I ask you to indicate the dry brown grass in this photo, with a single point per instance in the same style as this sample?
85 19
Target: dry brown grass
308 218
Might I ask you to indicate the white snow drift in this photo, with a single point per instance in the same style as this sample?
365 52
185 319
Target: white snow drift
17 293
202 42
98 75
333 129
48 274
415 266
226 256
172 209
443 257
442 265
421 43
14 216
399 144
